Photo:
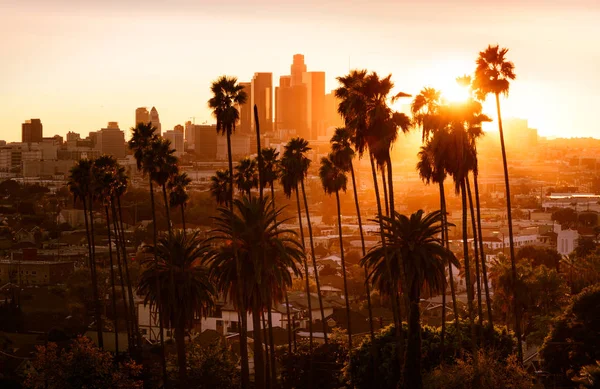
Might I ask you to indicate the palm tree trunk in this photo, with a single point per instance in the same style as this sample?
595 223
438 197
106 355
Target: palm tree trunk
129 285
167 209
112 283
259 362
310 319
267 353
181 357
411 373
314 261
364 251
242 307
271 344
444 240
393 296
488 300
98 307
385 193
339 215
463 192
450 275
510 236
182 217
161 334
118 243
476 251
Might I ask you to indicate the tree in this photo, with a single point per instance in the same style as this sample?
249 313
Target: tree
269 256
333 180
81 365
585 247
178 196
228 95
80 185
540 256
342 154
414 241
492 76
246 175
179 259
219 187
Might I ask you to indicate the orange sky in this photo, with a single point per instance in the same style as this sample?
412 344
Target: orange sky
79 66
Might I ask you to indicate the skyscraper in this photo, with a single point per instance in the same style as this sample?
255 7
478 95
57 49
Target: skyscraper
155 120
176 138
205 141
315 103
246 110
262 97
111 141
32 131
142 115
297 69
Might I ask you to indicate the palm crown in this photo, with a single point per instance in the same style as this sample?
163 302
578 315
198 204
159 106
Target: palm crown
227 96
493 72
332 177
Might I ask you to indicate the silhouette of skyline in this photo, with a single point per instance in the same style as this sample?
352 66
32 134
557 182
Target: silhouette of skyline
99 63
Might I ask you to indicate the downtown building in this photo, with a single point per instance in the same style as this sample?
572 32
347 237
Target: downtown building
111 141
32 131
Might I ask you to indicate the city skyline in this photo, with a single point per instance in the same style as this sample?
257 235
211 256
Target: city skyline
91 75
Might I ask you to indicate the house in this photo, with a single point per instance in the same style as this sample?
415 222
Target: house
566 240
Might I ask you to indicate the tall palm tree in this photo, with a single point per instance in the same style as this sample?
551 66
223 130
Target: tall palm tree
143 136
295 158
180 258
178 195
80 185
257 228
493 75
220 188
227 96
104 176
164 167
333 180
414 239
342 155
246 175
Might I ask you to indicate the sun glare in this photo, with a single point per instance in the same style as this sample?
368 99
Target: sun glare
454 92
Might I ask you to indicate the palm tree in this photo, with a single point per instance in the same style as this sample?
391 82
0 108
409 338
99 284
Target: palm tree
219 187
228 95
492 76
246 175
342 155
103 176
333 180
143 136
295 158
164 167
269 255
180 258
80 185
415 240
178 195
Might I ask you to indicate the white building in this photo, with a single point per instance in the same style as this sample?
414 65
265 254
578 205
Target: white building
566 240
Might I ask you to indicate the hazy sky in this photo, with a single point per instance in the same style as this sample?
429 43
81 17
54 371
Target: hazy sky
78 64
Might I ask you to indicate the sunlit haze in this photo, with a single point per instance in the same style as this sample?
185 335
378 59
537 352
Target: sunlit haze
78 65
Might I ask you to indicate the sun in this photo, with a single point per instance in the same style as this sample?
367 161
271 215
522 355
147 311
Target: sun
454 92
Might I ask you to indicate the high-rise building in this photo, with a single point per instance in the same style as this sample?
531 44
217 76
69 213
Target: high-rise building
262 97
246 110
142 115
73 136
111 141
32 131
205 141
176 139
297 69
178 128
155 120
315 103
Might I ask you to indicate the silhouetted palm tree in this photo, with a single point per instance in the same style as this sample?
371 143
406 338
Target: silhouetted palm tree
180 257
297 163
178 195
80 185
219 187
269 256
424 257
333 180
246 175
492 76
164 166
342 155
227 96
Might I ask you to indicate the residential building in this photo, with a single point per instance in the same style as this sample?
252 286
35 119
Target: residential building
34 272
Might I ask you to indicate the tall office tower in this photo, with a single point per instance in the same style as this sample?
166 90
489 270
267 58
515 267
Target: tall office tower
315 103
155 120
178 128
246 110
32 131
176 138
297 69
111 141
73 136
280 99
331 115
142 115
262 97
205 141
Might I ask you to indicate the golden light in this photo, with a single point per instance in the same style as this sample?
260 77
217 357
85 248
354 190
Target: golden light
454 92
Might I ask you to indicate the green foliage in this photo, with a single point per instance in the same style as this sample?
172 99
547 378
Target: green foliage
212 366
574 339
327 359
82 365
540 256
585 247
490 373
375 365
